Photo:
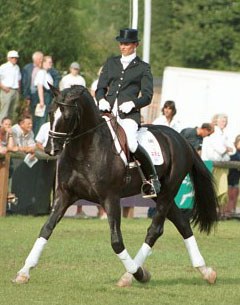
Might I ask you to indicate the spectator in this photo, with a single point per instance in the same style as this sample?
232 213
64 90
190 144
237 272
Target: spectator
23 135
29 72
10 77
7 144
6 138
56 76
44 94
195 135
217 147
94 84
167 119
42 136
73 78
168 116
233 182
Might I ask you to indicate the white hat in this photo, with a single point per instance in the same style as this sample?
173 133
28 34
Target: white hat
75 65
12 53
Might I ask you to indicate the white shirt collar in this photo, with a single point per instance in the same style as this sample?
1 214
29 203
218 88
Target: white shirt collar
129 58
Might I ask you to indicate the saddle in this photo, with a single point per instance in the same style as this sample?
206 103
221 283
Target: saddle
120 134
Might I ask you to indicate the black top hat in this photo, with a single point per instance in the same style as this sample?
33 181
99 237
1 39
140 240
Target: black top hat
128 35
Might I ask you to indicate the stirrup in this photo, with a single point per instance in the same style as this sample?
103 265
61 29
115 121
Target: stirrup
148 189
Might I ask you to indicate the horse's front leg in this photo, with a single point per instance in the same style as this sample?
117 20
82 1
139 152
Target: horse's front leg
113 210
155 230
57 213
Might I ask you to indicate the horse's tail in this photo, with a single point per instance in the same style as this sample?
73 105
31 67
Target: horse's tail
205 198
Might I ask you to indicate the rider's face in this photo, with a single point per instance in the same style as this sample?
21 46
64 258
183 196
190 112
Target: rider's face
127 48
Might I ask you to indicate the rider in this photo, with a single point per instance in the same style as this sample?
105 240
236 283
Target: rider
121 81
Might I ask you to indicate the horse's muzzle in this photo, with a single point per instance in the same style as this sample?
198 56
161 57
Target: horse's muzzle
52 151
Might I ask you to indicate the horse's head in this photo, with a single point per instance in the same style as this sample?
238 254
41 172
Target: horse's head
65 114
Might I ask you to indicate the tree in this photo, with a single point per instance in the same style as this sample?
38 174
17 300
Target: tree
49 26
202 34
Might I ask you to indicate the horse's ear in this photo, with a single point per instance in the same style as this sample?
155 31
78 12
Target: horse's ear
54 90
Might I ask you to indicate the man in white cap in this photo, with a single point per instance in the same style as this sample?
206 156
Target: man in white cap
73 78
10 77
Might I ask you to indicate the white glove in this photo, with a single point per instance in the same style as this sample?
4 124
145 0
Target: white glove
104 105
127 107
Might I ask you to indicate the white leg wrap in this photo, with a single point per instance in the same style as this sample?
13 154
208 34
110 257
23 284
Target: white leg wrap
193 251
34 255
128 262
142 254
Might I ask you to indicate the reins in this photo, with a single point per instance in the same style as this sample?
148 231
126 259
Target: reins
69 136
92 129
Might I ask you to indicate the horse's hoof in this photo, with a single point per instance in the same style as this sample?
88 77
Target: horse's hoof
210 276
21 279
142 275
125 280
146 276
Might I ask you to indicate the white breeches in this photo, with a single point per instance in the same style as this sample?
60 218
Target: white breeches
130 127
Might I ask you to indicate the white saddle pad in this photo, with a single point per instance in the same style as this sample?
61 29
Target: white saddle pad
151 145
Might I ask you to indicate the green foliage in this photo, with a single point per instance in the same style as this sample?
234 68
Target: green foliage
99 23
202 34
48 26
188 33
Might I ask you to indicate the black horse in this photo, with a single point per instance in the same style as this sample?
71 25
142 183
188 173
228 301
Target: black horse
90 168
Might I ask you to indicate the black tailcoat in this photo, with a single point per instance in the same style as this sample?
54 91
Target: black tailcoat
135 83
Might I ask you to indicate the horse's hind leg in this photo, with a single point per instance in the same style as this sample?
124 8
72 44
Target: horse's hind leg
57 213
182 223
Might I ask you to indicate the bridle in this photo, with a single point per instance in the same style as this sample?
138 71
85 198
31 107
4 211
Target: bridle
66 137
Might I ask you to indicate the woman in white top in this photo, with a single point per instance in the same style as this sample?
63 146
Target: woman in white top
43 94
217 147
168 116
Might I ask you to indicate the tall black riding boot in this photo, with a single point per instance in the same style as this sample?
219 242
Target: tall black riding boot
151 186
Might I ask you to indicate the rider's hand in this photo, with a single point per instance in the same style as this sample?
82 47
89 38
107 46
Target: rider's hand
127 107
104 105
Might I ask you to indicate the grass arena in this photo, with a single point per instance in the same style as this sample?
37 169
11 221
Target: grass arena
79 267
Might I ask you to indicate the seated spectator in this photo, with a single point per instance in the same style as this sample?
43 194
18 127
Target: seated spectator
168 116
23 135
6 138
73 78
195 135
42 136
7 145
